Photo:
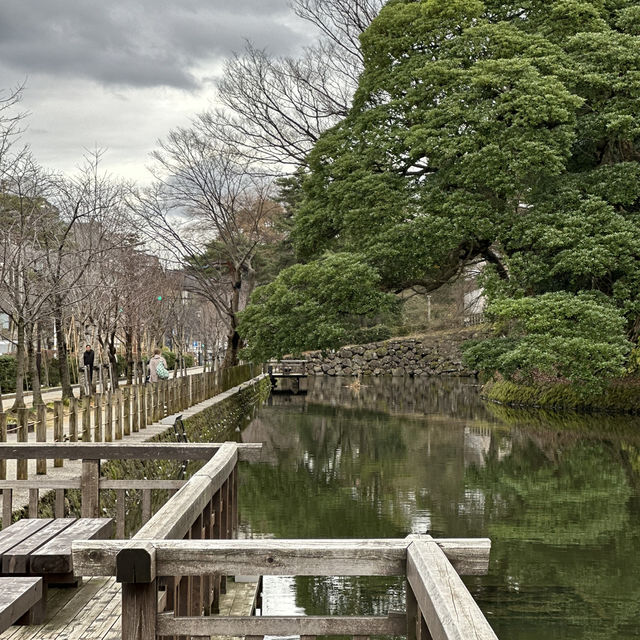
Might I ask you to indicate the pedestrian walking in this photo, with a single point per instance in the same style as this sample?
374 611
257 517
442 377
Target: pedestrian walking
155 361
88 358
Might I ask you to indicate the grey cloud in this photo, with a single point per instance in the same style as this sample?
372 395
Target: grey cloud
139 43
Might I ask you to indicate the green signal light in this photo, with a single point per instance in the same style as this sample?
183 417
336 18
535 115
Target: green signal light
159 298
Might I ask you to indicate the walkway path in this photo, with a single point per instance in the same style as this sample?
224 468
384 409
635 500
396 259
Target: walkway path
93 611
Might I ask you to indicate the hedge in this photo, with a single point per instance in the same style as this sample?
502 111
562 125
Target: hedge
622 396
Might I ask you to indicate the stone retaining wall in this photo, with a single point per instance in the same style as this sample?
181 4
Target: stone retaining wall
424 356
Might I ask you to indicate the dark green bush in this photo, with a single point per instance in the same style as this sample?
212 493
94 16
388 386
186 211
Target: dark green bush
371 334
7 374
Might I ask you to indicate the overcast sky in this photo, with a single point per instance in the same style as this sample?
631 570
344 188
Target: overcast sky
119 74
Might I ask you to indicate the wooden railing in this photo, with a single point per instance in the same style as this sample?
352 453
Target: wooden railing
205 508
438 604
287 367
114 415
91 484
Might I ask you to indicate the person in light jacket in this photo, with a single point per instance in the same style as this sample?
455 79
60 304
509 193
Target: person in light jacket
153 365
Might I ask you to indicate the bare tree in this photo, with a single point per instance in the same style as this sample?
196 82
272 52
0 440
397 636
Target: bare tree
90 205
25 218
340 21
276 108
207 210
10 125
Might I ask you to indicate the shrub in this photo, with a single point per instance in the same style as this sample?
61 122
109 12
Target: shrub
371 334
8 374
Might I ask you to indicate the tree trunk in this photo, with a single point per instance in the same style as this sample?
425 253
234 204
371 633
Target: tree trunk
34 369
233 337
63 355
113 360
20 365
129 355
233 346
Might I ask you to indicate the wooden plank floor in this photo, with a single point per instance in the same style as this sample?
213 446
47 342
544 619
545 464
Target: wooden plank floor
92 612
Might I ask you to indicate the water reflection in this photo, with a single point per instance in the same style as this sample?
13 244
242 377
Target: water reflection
558 496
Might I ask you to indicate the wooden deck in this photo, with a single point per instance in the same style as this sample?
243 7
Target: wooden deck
92 612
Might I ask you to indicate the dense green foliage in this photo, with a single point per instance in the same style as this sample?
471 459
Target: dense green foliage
314 306
499 132
617 397
573 337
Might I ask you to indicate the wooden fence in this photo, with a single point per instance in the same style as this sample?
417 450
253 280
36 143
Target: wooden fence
91 484
113 416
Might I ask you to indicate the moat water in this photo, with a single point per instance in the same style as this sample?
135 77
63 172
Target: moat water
559 496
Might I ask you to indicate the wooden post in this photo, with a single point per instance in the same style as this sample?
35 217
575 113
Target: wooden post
97 418
121 510
118 407
34 498
86 419
146 505
139 611
3 438
412 612
126 393
90 507
58 510
7 507
207 579
135 425
41 436
153 402
216 535
196 600
108 418
7 494
142 389
136 570
23 436
58 428
234 502
73 419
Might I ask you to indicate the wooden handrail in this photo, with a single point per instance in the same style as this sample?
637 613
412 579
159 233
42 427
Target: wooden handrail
175 518
321 557
249 452
444 605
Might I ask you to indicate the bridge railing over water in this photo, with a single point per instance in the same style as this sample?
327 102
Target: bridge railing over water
169 571
287 367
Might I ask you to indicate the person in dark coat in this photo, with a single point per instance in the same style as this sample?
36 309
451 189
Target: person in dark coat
88 364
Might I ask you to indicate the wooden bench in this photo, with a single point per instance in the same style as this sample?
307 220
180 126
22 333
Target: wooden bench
21 601
42 546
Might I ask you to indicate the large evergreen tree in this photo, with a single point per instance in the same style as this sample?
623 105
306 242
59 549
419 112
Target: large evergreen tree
497 131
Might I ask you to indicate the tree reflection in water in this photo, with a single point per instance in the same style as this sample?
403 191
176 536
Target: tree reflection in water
559 496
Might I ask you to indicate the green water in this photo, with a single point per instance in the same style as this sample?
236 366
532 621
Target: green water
558 496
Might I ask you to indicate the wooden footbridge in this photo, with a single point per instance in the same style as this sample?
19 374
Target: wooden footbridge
288 376
170 580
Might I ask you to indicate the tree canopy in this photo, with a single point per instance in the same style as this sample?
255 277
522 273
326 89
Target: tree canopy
500 132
